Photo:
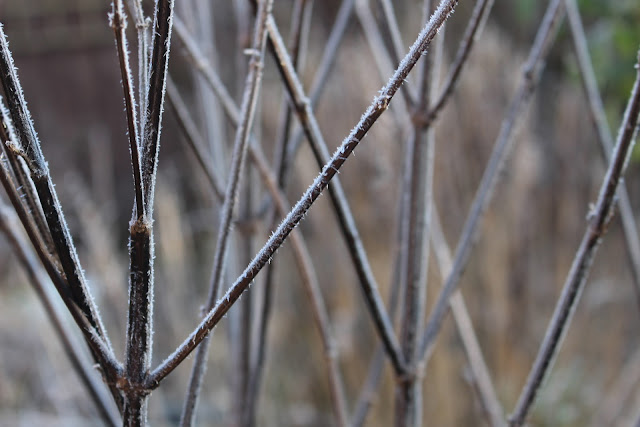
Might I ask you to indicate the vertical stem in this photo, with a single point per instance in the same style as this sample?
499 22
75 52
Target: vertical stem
249 103
141 252
152 119
85 372
502 147
298 31
418 190
342 210
370 116
119 24
139 325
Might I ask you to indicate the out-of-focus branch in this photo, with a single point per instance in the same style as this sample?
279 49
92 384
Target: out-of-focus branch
379 105
598 220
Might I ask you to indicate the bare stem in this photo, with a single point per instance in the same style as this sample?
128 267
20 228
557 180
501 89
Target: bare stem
110 367
391 22
598 220
347 224
471 33
119 25
378 106
322 73
152 119
599 118
531 75
142 30
480 373
418 194
299 33
28 144
87 375
384 63
312 286
249 103
194 140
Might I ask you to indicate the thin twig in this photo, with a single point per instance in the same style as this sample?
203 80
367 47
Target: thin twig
249 103
28 144
194 140
480 373
599 118
201 64
152 119
418 194
29 195
374 375
322 74
598 220
110 367
530 77
312 286
391 22
119 25
299 33
471 34
378 106
87 375
24 183
308 275
384 63
142 29
347 224
311 128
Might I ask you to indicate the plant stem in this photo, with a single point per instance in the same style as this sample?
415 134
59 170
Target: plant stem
28 143
299 33
483 385
119 24
502 147
598 220
87 376
599 118
249 103
471 34
378 106
347 224
141 243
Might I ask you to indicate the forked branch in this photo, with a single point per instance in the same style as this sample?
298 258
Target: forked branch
378 106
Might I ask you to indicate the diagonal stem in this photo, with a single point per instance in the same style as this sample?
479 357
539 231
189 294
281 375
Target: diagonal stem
378 106
598 220
87 376
416 224
298 38
482 379
599 118
531 75
471 33
119 25
310 125
28 145
249 103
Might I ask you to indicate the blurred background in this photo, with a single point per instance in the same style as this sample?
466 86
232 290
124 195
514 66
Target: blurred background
67 63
